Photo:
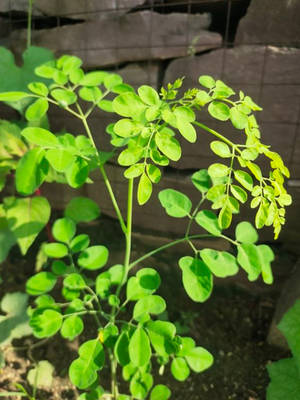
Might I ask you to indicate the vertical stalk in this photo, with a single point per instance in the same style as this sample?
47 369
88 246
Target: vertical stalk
29 20
129 230
103 173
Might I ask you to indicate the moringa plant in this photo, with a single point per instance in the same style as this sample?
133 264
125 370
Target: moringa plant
122 298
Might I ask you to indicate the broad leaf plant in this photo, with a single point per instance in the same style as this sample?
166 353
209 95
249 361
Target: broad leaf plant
145 140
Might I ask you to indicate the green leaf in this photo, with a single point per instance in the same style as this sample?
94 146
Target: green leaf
225 216
185 114
40 137
140 385
289 326
244 179
187 344
266 256
239 120
285 382
139 348
153 173
129 104
148 278
218 170
148 95
239 193
31 171
130 156
134 171
36 110
246 233
207 81
59 159
63 230
125 128
75 281
18 77
199 359
26 218
197 278
221 263
148 305
180 369
248 258
209 221
72 327
249 154
83 370
40 283
121 350
221 149
45 323
261 215
201 180
144 189
82 209
79 243
92 94
13 96
219 110
41 376
77 173
202 98
135 291
160 392
168 145
94 78
14 324
187 130
122 88
64 97
176 204
112 80
55 250
58 267
94 257
106 105
38 88
161 334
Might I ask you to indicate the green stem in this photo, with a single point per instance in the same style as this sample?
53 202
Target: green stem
166 246
29 19
128 240
215 133
103 172
129 230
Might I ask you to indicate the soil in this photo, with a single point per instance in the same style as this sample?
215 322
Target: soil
233 325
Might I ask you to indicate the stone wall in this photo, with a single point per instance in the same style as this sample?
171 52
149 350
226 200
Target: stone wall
256 49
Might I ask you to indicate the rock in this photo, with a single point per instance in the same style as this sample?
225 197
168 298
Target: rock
4 28
79 9
85 9
114 40
290 293
14 5
270 21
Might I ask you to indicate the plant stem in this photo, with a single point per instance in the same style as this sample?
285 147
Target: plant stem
29 19
166 246
128 231
103 172
215 133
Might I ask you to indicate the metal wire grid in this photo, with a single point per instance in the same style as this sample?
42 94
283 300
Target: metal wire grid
117 6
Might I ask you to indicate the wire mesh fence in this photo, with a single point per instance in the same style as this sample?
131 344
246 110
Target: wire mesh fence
252 45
